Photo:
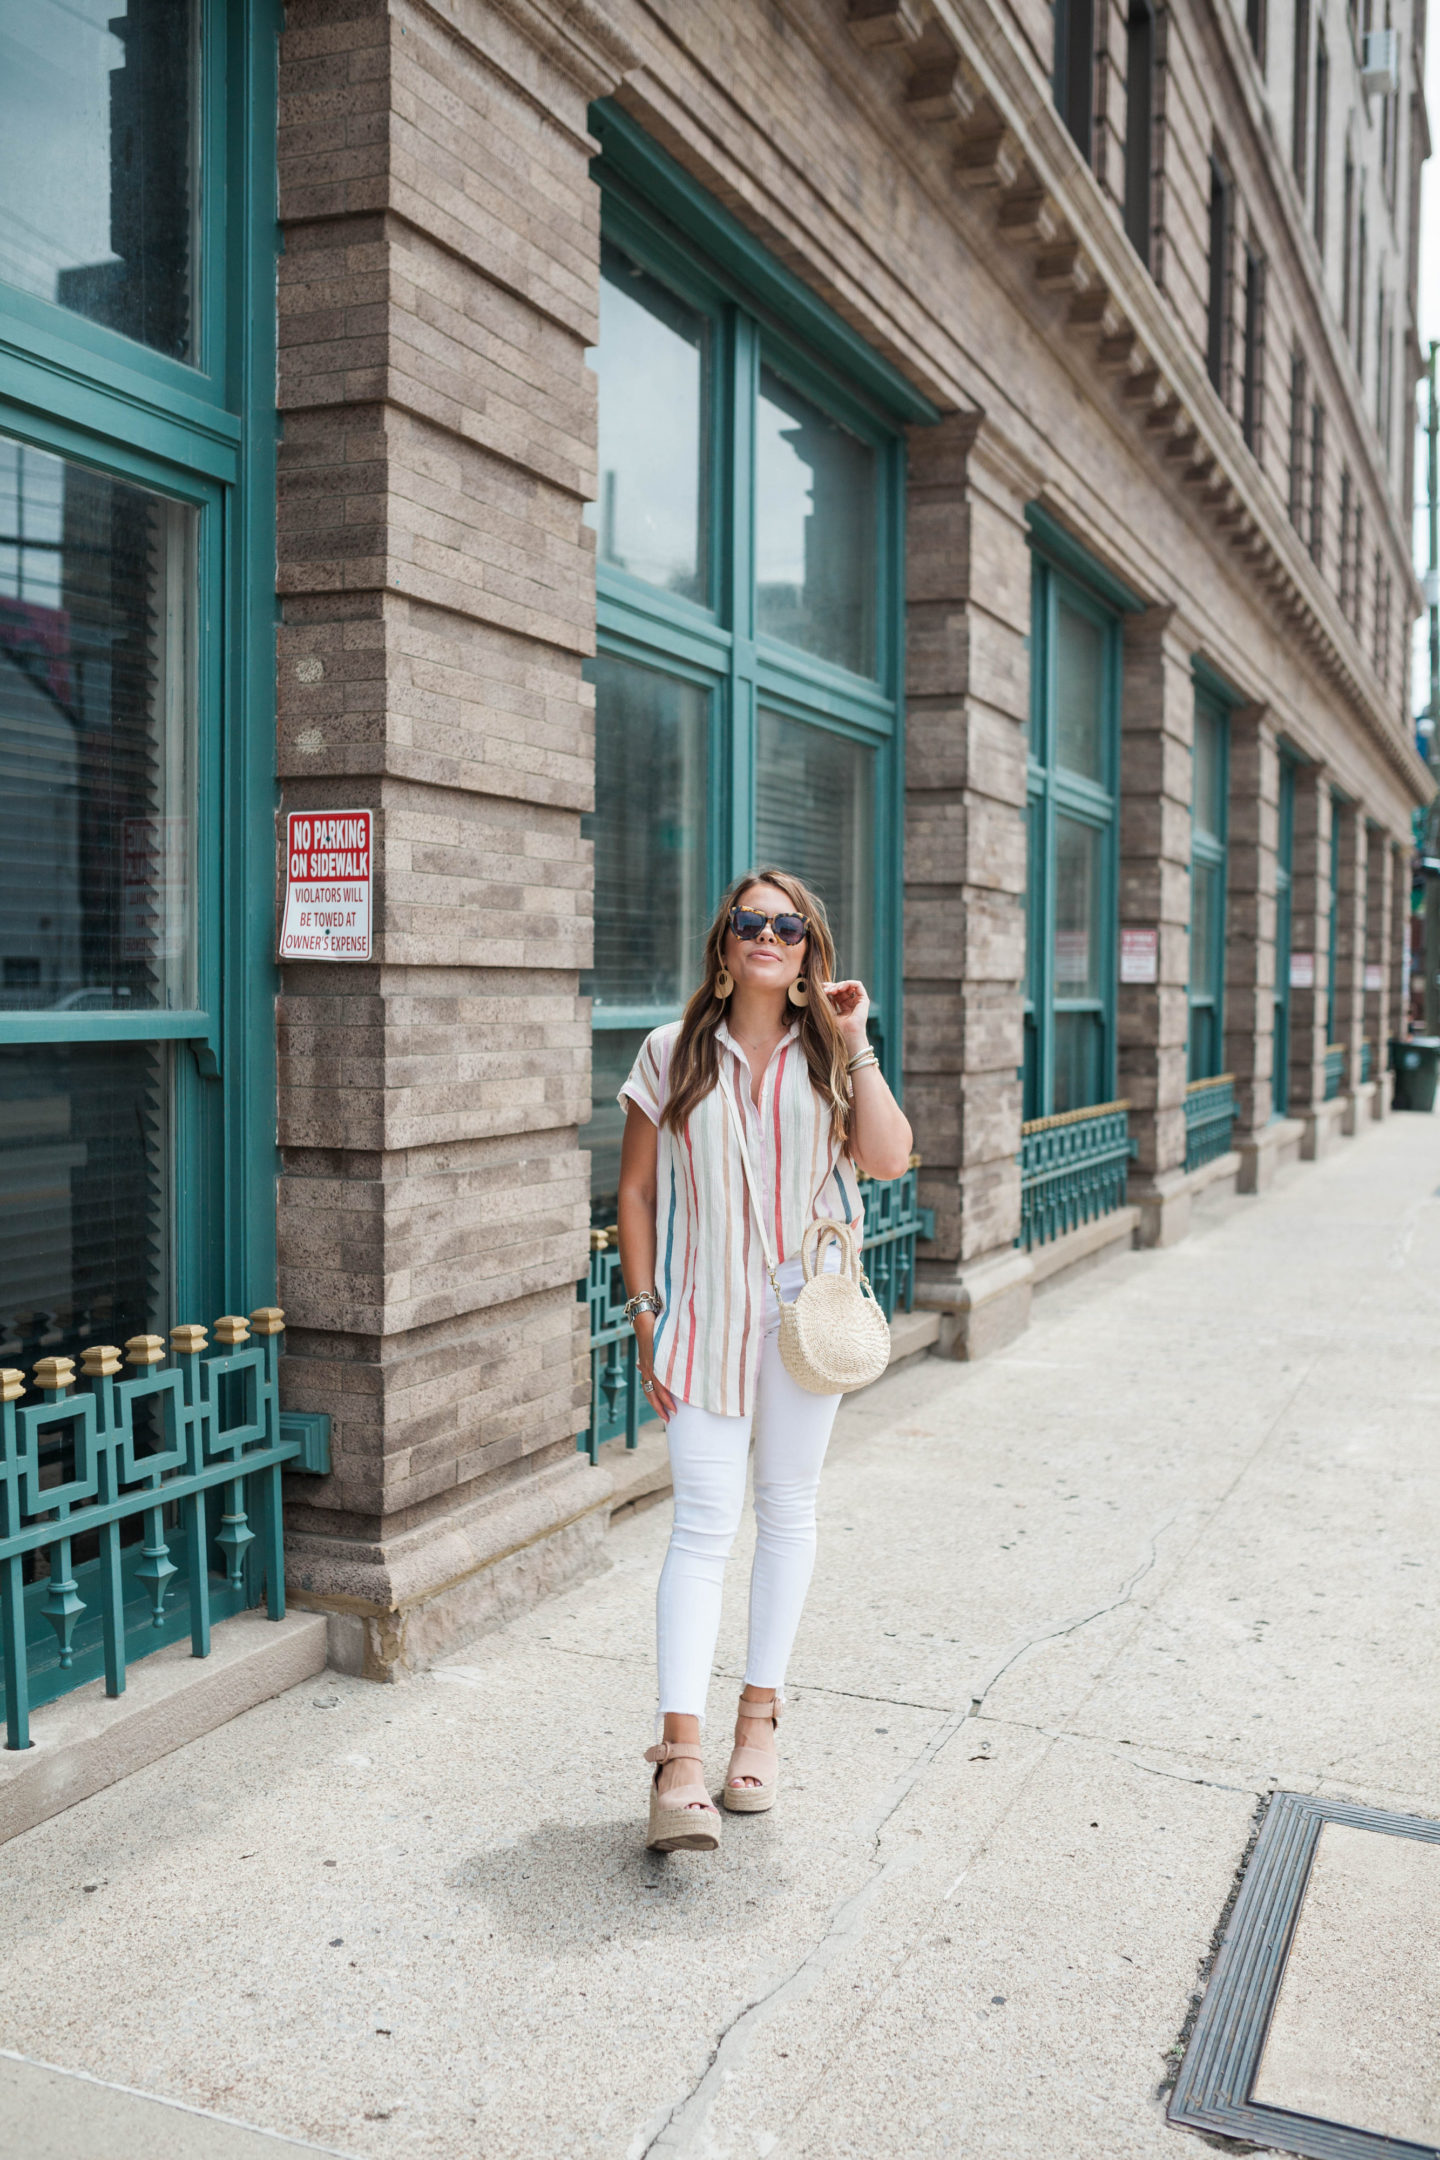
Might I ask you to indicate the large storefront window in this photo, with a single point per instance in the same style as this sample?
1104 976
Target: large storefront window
747 686
1071 889
98 172
136 707
1208 824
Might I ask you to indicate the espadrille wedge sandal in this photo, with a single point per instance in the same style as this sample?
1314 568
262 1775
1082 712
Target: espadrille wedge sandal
756 1762
685 1819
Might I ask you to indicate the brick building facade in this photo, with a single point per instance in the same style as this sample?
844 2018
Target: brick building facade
1090 333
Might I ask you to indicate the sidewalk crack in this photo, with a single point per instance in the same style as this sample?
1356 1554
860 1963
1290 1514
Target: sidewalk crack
685 2122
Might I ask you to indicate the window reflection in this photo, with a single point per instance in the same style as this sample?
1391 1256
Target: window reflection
97 167
648 827
1079 691
815 505
84 1195
1079 958
1204 949
1209 771
652 361
648 830
1077 909
815 815
96 705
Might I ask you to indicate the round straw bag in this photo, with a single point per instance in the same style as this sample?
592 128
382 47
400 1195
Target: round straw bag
833 1335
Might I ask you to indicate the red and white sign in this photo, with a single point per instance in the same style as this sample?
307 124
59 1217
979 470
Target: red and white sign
1139 956
1374 976
1302 971
328 856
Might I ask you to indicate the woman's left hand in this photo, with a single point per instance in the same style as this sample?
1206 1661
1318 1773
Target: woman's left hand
850 1003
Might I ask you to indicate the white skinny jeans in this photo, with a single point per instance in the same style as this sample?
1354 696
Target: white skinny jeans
707 1461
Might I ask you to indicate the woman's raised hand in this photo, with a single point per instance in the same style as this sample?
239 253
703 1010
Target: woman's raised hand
850 1003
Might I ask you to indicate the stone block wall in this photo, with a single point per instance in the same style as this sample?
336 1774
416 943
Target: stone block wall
437 293
967 697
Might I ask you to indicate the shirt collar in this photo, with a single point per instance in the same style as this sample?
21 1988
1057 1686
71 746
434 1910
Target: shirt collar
724 1036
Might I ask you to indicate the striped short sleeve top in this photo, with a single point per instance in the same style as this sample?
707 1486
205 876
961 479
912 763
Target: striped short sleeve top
709 1263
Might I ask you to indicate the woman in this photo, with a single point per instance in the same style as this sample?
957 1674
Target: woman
771 1040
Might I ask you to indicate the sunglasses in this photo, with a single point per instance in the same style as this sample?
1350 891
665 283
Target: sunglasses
748 922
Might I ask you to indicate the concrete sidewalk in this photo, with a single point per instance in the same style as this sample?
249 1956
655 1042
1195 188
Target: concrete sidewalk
1077 1608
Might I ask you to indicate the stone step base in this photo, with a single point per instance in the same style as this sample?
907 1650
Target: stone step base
87 1740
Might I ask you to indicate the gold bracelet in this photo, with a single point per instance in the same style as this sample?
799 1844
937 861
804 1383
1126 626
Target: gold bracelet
861 1059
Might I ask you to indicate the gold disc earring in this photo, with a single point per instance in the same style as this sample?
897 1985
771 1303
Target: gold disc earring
799 991
724 984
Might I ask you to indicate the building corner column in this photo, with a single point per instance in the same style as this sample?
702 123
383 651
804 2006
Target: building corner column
433 1202
968 686
1254 813
1157 736
1310 960
1378 984
1349 839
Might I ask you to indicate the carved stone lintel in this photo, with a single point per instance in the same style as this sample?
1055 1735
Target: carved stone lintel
1118 354
1065 268
582 38
1028 218
876 23
1142 387
990 159
1097 309
940 91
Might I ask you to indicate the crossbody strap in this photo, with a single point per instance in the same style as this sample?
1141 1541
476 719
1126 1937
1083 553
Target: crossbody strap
734 1108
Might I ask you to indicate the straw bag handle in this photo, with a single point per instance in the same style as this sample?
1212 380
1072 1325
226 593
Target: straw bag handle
829 1229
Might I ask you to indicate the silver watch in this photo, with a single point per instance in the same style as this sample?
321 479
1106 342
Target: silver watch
643 1301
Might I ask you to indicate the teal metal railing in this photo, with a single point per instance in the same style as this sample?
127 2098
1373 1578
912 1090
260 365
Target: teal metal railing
1209 1115
1367 1062
1072 1170
1334 1070
136 1510
894 1220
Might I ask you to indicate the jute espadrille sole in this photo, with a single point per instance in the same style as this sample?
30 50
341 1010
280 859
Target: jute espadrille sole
751 1799
681 1829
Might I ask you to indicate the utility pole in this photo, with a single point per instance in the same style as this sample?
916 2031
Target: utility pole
1432 709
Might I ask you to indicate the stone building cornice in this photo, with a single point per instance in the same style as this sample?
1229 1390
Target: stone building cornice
968 75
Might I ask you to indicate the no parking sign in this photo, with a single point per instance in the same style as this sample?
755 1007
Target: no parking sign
328 857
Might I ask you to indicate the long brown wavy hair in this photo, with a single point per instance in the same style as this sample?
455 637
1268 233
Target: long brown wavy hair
695 1060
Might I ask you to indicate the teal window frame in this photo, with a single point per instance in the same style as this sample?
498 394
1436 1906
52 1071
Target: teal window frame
1284 883
1059 569
203 433
656 215
1212 850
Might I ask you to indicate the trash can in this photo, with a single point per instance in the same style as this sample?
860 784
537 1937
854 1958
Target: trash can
1415 1063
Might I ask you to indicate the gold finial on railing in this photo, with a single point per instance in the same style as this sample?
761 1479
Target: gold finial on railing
915 1161
187 1341
144 1349
600 1239
101 1361
55 1372
268 1320
232 1329
12 1383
